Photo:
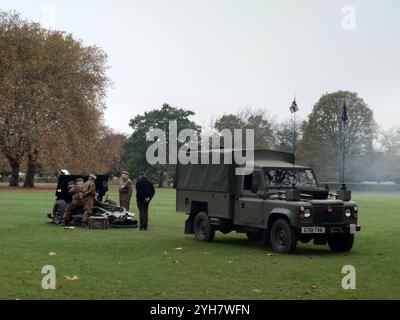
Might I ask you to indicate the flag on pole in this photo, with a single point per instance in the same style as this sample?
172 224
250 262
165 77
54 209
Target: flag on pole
294 108
345 113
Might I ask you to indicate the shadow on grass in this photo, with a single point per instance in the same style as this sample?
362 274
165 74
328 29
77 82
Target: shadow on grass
307 250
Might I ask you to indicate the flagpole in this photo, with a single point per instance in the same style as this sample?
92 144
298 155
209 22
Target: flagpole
294 138
344 150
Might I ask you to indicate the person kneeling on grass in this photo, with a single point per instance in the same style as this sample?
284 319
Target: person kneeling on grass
144 193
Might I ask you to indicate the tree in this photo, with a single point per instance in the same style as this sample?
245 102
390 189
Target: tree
52 91
256 120
136 145
285 135
390 140
111 151
326 137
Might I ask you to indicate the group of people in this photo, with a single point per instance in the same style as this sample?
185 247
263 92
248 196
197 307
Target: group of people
83 195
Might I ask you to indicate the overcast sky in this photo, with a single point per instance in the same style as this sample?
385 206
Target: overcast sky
218 56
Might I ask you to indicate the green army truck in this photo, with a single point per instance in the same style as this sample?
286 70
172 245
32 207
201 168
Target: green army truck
279 203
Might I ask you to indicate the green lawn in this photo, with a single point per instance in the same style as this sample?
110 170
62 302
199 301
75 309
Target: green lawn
128 264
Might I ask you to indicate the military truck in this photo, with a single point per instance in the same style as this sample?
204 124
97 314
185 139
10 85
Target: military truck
279 203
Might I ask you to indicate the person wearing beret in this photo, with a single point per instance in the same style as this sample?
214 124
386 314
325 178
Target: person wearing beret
125 190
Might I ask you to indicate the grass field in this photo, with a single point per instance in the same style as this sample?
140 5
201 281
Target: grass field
163 263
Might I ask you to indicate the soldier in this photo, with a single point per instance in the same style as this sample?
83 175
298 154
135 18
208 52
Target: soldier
144 193
89 193
125 190
77 200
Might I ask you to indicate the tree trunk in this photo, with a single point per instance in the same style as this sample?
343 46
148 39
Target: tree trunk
30 174
14 182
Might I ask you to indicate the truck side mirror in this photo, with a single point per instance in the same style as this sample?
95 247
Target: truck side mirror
254 186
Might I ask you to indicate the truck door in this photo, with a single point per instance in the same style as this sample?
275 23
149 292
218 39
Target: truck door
248 207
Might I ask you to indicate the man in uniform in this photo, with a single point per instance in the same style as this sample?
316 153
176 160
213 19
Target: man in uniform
89 194
77 200
144 193
125 190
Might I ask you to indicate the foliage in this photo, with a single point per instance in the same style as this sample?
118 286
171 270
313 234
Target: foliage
136 145
52 91
326 137
285 135
256 120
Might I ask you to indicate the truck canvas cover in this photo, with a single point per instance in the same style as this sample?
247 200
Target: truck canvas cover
221 177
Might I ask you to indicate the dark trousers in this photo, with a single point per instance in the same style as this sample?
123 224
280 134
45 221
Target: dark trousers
143 213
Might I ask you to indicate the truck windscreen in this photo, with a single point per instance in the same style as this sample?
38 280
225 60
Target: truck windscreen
285 177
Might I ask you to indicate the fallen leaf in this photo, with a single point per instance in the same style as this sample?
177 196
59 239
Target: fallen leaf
60 286
75 277
257 290
231 261
178 248
164 253
274 262
28 271
269 254
205 252
52 253
175 261
313 286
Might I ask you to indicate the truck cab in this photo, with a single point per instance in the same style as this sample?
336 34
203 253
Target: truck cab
279 203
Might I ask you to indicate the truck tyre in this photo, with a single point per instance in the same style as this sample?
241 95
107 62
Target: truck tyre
203 230
58 211
254 236
341 242
283 237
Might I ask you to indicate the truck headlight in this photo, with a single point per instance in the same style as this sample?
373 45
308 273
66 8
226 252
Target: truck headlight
347 213
307 213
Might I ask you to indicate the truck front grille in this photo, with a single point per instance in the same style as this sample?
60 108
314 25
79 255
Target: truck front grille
322 214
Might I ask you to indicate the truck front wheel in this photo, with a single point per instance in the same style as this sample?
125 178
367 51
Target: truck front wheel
203 229
341 242
283 237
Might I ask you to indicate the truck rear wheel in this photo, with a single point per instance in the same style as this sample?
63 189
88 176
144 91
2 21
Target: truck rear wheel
203 229
283 237
58 211
341 242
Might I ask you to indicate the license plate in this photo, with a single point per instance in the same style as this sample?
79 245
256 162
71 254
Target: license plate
312 230
353 229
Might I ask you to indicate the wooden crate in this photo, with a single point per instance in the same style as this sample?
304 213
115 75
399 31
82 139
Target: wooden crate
98 223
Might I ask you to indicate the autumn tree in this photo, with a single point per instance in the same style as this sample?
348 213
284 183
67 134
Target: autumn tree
110 151
326 137
52 91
